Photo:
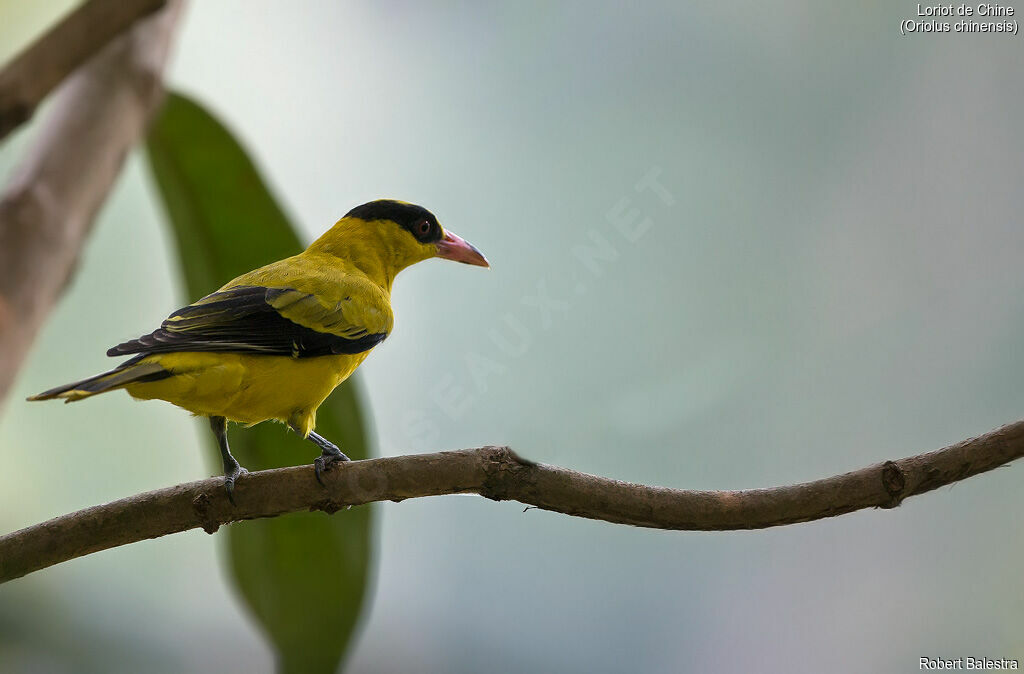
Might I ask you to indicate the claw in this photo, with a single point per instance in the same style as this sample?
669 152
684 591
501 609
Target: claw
229 482
330 454
325 462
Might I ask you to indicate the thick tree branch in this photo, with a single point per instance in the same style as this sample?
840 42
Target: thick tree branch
48 206
496 473
44 64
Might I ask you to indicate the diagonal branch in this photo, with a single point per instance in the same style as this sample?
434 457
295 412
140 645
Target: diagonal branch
499 474
49 204
33 73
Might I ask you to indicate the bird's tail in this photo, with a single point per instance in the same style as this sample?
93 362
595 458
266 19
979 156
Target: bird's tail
129 372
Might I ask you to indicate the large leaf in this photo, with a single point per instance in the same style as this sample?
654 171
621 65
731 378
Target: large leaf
302 575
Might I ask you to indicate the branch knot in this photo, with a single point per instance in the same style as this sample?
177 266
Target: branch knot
505 472
894 483
201 507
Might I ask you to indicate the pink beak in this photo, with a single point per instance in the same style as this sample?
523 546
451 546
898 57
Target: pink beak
454 247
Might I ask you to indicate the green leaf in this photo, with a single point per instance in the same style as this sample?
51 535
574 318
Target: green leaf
303 575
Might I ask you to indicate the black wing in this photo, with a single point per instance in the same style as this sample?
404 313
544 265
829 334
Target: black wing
248 319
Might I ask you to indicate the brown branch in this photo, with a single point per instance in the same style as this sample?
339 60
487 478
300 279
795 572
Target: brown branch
49 204
44 64
496 473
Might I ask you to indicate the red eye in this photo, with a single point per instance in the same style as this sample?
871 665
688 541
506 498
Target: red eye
423 227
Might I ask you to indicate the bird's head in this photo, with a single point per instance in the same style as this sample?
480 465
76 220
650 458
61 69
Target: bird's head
398 234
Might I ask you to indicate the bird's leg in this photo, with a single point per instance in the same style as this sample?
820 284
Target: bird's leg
329 448
232 469
330 454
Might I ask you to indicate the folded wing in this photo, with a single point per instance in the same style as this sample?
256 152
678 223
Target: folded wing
268 321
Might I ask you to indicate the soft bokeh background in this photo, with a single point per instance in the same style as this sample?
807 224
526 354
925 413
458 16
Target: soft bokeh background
830 277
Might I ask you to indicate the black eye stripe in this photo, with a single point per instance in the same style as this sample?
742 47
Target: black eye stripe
406 216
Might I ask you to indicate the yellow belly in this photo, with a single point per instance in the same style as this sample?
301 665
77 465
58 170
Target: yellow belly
249 389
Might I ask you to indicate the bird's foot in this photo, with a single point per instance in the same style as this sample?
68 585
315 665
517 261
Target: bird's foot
327 460
230 476
330 455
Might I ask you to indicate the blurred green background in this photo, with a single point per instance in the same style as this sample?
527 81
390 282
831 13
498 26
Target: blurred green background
835 281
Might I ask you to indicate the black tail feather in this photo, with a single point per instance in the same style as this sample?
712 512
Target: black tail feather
129 372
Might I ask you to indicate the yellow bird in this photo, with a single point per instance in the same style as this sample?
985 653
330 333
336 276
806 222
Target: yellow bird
273 343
